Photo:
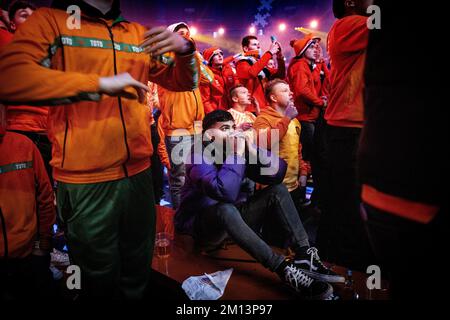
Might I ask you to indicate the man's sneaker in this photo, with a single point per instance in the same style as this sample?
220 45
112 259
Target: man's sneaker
313 267
304 285
56 273
305 203
59 258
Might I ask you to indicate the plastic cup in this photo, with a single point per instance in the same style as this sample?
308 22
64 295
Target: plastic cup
163 245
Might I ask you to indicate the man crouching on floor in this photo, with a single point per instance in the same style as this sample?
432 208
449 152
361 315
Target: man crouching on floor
215 203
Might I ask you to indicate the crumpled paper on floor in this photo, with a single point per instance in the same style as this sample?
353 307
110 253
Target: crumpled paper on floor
207 286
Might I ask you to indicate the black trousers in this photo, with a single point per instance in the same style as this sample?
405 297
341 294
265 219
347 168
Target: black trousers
341 236
410 254
26 279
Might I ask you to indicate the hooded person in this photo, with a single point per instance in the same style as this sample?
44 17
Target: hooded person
215 94
181 117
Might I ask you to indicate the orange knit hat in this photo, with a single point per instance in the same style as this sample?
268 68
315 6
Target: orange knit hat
209 53
301 45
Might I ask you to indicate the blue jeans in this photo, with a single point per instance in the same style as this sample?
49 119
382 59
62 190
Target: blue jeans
177 171
244 222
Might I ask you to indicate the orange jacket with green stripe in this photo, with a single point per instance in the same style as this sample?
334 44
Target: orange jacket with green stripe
95 138
27 212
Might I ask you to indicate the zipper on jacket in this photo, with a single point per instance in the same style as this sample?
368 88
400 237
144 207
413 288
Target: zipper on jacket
5 237
64 144
196 103
111 35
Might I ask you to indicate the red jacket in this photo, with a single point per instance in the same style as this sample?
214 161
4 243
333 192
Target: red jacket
306 85
215 95
347 44
254 74
26 197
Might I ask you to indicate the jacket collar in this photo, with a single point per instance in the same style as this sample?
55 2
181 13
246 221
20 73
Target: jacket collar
269 111
90 11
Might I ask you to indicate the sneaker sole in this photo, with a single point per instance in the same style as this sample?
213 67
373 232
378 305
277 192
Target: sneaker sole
324 277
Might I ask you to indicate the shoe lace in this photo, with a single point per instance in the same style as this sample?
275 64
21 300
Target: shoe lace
313 252
297 277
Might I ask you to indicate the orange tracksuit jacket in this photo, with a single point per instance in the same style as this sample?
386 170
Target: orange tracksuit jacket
26 198
95 138
24 118
347 44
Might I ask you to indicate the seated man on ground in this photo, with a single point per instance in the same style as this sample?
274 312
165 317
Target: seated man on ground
214 205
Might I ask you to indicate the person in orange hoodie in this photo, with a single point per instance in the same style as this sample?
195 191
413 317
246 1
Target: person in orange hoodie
281 115
181 117
284 120
341 233
252 70
215 95
27 214
94 79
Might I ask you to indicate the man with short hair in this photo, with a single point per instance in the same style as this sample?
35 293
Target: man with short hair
241 99
18 13
252 70
215 204
280 118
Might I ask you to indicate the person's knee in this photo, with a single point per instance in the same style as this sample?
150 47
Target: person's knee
227 211
279 189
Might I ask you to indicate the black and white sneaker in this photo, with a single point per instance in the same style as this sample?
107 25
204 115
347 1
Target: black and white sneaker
304 285
313 267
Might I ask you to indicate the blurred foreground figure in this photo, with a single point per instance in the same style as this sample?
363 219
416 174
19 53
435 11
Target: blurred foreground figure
402 159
